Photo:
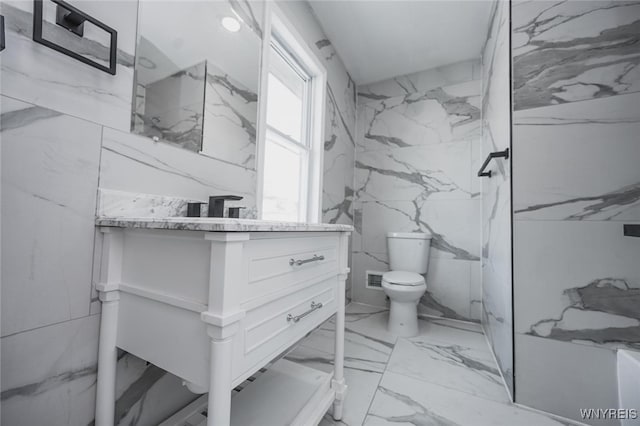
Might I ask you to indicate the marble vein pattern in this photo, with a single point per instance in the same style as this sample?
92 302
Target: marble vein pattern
49 373
404 400
230 119
421 81
576 102
589 292
414 154
212 224
439 115
60 387
128 204
569 51
49 180
463 364
37 74
444 376
594 135
496 310
172 108
612 297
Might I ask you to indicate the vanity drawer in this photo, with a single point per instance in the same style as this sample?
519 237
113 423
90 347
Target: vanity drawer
276 264
273 327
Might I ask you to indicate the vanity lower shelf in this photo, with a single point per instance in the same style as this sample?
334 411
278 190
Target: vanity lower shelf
272 399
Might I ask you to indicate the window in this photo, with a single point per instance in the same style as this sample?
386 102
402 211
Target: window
291 148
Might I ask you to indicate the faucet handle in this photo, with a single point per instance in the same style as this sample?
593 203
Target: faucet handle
194 209
234 212
216 204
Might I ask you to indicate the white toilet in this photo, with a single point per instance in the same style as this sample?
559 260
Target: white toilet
408 258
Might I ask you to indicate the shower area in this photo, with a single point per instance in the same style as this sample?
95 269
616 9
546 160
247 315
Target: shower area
561 215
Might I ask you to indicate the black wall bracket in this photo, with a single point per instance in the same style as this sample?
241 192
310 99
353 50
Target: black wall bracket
73 20
631 230
498 154
1 33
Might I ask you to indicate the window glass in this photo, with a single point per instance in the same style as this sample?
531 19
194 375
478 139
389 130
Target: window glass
284 109
287 153
283 177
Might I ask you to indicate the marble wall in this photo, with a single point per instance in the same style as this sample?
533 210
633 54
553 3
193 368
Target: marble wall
496 193
576 180
49 310
418 141
65 132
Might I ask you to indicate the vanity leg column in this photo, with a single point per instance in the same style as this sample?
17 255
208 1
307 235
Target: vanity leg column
107 360
338 384
219 412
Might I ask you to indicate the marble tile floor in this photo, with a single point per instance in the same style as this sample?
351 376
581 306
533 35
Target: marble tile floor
446 376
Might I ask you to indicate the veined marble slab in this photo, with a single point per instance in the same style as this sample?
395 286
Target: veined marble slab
453 224
49 374
569 51
446 75
414 156
439 115
212 224
466 365
404 400
49 181
496 310
578 161
588 291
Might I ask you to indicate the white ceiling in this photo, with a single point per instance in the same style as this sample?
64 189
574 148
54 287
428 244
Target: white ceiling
380 39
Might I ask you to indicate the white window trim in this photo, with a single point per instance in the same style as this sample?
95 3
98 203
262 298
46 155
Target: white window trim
277 21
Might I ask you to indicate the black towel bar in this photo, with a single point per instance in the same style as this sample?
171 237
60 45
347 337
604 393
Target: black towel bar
497 154
73 20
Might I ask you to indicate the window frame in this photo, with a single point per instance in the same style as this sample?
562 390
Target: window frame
288 38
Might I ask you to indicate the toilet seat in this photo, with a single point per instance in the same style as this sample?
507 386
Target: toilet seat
403 278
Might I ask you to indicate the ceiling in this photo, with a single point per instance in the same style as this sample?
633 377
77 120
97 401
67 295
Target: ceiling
380 39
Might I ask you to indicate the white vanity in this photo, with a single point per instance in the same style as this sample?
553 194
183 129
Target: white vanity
213 301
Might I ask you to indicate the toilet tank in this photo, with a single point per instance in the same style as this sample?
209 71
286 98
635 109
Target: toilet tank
409 251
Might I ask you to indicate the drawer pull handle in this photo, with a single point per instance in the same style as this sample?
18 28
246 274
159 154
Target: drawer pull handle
314 307
315 258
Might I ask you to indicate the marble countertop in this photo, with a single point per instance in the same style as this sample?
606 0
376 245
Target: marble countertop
214 224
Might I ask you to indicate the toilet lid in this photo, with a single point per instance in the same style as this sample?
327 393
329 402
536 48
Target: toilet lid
403 278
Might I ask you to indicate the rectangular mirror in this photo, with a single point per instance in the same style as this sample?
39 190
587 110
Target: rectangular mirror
197 76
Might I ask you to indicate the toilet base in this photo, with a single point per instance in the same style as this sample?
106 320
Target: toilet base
403 319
